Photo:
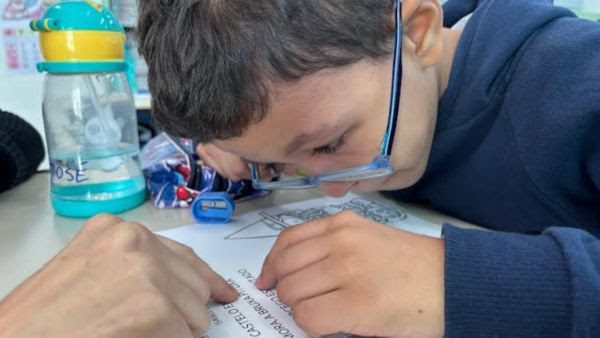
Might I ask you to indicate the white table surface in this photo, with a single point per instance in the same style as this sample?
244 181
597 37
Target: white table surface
31 233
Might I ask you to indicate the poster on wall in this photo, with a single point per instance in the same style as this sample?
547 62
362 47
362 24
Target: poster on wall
21 51
20 43
19 12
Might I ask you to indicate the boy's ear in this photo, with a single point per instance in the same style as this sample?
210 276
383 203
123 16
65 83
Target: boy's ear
422 24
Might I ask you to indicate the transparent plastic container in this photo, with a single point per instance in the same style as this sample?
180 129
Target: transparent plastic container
91 133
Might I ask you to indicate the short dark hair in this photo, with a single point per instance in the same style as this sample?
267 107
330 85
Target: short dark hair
210 61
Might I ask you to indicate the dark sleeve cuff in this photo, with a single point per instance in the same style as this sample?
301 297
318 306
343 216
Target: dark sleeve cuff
505 285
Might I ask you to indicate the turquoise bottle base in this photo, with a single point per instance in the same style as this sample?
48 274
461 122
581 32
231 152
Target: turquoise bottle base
81 209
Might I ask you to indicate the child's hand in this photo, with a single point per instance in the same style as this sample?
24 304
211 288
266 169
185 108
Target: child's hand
115 279
348 274
226 164
229 165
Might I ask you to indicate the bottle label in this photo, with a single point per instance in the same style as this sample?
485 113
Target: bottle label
64 174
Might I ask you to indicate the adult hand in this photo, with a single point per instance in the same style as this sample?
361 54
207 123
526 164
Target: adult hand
115 279
348 274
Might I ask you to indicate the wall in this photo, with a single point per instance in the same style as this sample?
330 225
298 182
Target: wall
20 94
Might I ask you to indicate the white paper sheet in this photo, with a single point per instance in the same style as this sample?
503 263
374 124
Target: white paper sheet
236 251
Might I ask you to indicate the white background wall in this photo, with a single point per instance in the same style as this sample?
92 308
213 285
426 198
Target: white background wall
590 6
22 95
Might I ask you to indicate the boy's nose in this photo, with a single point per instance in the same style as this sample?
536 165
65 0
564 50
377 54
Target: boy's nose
336 189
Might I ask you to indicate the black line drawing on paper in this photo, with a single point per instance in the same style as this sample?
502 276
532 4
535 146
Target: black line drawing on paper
270 225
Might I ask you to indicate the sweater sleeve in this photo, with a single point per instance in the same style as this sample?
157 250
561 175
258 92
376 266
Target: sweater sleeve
509 285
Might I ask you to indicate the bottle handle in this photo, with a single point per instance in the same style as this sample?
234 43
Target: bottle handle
44 25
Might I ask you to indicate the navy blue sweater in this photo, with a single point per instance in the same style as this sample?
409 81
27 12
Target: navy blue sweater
517 150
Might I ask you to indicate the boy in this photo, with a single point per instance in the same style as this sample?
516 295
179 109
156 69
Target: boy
496 124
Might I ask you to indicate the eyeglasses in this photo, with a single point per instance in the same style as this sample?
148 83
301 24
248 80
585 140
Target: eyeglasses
380 166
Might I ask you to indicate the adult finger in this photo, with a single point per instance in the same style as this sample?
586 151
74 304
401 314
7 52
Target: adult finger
99 223
200 272
190 305
160 316
92 230
162 289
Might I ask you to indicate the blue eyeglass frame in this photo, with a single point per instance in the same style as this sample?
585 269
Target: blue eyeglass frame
380 166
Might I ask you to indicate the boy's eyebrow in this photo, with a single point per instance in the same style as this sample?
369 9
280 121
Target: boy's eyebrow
303 138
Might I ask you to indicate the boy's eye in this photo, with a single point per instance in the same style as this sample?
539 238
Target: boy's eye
329 148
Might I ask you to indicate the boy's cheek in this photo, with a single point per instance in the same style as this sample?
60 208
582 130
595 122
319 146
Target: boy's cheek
369 185
400 179
337 189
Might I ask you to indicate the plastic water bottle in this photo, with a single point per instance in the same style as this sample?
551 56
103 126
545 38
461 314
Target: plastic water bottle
89 112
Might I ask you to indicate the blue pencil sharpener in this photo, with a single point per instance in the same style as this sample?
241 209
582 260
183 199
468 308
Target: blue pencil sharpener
213 207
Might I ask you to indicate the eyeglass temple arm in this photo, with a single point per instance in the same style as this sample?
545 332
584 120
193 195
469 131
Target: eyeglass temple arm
386 146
